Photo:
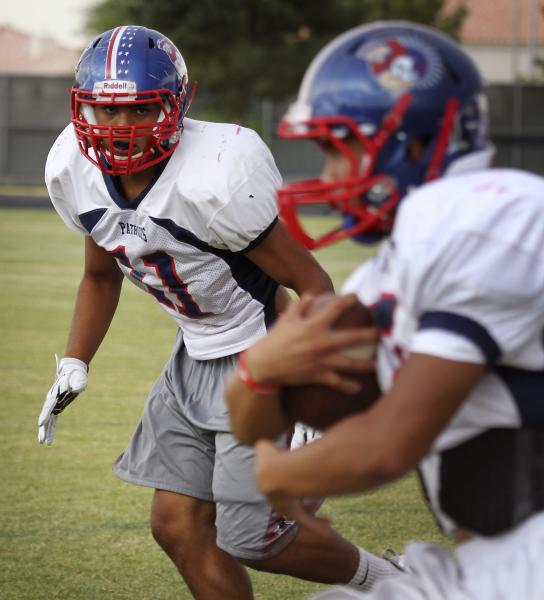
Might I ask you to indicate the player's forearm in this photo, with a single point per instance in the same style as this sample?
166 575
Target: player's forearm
289 263
383 443
351 457
253 415
312 279
96 302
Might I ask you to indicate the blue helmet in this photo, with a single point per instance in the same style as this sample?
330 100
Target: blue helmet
127 65
385 84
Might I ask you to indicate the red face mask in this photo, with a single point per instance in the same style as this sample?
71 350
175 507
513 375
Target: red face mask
141 145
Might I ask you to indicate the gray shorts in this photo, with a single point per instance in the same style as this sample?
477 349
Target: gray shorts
168 451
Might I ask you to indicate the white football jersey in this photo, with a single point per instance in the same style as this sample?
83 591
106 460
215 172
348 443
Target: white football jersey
462 278
183 239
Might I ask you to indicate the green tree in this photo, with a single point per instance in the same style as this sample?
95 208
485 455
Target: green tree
242 51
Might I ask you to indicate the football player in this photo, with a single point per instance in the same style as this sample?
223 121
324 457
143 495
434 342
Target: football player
186 210
458 288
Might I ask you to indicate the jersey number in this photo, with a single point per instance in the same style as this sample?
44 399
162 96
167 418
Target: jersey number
164 267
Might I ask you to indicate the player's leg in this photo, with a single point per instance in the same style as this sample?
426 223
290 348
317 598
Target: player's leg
331 560
184 527
169 453
327 560
251 531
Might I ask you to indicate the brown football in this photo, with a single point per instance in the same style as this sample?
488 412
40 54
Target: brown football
320 406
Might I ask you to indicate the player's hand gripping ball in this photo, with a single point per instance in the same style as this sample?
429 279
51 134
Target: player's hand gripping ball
320 406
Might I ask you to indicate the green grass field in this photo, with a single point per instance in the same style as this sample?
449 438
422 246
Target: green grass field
69 529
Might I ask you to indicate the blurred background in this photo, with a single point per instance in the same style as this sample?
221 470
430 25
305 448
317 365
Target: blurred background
248 57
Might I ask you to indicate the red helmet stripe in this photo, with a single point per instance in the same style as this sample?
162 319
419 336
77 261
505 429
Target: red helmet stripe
111 57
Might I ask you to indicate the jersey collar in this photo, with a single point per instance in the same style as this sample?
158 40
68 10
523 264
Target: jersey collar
113 185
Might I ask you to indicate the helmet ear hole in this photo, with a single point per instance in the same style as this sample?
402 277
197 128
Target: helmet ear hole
415 149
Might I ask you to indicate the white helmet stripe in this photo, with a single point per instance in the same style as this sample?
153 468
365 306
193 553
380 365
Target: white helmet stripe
113 49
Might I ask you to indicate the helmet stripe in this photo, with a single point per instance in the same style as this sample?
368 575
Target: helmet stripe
113 48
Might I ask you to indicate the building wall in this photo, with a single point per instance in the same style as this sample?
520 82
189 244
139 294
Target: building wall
501 22
502 64
23 53
503 36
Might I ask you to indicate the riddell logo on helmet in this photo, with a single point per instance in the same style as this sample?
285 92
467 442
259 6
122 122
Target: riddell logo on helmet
114 86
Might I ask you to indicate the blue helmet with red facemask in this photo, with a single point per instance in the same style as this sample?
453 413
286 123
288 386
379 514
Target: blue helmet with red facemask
129 65
387 85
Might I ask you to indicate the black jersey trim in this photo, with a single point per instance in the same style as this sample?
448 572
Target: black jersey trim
91 218
260 238
466 327
246 273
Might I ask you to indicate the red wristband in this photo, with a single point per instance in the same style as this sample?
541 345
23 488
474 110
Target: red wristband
245 376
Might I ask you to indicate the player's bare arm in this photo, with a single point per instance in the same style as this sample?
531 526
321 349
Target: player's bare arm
388 440
289 263
300 348
96 302
254 414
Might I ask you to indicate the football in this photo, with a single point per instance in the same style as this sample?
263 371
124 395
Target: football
320 406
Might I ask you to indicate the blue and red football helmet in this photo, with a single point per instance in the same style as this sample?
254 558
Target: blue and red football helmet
129 65
385 84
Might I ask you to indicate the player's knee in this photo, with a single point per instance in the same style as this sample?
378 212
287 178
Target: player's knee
178 527
165 530
168 529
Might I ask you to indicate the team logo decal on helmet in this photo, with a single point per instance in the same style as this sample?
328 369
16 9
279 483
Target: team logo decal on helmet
173 53
401 63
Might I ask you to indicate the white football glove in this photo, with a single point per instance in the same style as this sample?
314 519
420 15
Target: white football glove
302 435
71 379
